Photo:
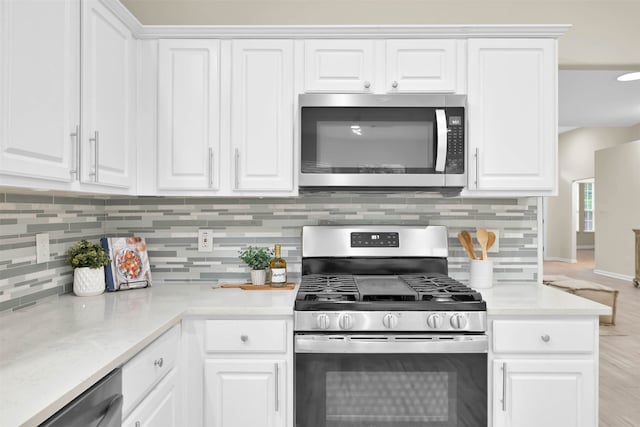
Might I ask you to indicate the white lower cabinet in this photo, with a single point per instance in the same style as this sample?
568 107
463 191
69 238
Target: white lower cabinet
160 408
544 372
238 372
244 393
150 384
549 393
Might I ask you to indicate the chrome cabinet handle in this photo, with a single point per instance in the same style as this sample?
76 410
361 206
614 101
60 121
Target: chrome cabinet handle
96 157
210 167
237 163
504 386
394 84
244 338
545 338
76 147
158 362
367 85
477 165
277 374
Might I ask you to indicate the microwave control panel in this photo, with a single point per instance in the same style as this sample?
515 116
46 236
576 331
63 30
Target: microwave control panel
455 140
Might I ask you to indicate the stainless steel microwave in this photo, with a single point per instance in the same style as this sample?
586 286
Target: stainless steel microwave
372 141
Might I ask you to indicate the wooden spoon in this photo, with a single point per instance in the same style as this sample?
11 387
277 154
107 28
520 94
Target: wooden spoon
492 240
467 243
483 238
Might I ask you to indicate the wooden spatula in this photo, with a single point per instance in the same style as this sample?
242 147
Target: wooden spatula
483 238
492 240
467 243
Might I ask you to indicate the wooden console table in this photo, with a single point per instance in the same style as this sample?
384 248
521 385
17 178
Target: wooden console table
636 280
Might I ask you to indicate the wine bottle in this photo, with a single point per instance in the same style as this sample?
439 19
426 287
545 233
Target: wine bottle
278 267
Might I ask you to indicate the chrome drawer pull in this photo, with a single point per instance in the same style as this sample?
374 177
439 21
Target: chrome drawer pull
158 362
545 338
244 338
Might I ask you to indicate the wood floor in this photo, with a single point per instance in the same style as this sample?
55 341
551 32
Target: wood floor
619 346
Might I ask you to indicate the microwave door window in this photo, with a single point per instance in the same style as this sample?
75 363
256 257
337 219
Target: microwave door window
368 140
374 147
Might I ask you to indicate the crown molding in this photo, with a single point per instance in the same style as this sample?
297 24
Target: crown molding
141 31
351 31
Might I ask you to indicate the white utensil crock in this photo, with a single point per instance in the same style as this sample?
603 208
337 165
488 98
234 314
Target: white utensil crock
481 274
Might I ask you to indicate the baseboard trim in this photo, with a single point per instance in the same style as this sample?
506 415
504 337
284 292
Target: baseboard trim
613 275
553 258
585 247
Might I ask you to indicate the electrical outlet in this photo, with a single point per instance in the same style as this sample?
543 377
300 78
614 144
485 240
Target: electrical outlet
496 246
42 248
205 240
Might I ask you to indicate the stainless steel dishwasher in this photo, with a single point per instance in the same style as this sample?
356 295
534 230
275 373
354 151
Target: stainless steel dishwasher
99 406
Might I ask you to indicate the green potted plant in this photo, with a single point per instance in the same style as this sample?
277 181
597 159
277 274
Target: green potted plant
88 261
257 258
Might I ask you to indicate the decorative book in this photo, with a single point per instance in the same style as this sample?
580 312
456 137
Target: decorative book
129 268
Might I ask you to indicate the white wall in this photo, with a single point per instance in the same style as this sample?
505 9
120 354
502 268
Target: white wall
576 160
617 190
603 32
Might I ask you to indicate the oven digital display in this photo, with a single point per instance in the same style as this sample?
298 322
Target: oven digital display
380 240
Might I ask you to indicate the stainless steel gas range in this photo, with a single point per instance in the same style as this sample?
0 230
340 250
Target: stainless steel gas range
383 337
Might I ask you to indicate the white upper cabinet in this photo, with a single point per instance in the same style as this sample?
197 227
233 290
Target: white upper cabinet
339 65
421 66
262 113
108 98
379 66
39 88
512 116
189 114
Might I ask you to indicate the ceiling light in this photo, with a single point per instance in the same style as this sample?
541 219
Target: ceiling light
629 77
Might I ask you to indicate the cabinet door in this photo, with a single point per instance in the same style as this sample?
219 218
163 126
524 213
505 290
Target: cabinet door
107 98
512 115
339 65
188 114
550 393
421 66
159 408
244 393
262 115
39 88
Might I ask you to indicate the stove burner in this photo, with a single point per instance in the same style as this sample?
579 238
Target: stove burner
440 288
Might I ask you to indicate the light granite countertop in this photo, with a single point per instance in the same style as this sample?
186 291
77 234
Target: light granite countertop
538 300
53 351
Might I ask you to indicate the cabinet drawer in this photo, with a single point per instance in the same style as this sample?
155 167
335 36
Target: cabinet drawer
240 336
144 370
543 336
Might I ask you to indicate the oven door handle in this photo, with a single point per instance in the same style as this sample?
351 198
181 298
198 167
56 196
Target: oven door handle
441 147
339 343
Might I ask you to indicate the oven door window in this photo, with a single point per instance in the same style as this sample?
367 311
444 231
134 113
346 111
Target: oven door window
368 140
391 390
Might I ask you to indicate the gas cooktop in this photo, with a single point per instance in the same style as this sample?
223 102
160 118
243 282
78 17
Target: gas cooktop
420 291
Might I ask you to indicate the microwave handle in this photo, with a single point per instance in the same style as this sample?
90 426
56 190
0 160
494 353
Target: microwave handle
441 130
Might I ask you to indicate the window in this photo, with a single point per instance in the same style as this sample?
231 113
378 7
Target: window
587 197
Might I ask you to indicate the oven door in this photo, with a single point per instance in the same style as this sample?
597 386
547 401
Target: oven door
390 380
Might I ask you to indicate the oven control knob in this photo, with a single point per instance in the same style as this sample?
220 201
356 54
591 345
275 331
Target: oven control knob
390 321
345 321
434 321
458 321
323 321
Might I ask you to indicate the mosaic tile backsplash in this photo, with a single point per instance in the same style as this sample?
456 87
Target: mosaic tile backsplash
170 226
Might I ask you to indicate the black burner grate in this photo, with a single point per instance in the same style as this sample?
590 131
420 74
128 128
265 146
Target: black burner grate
328 288
439 287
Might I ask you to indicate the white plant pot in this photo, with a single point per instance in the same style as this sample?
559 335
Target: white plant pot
258 277
88 282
